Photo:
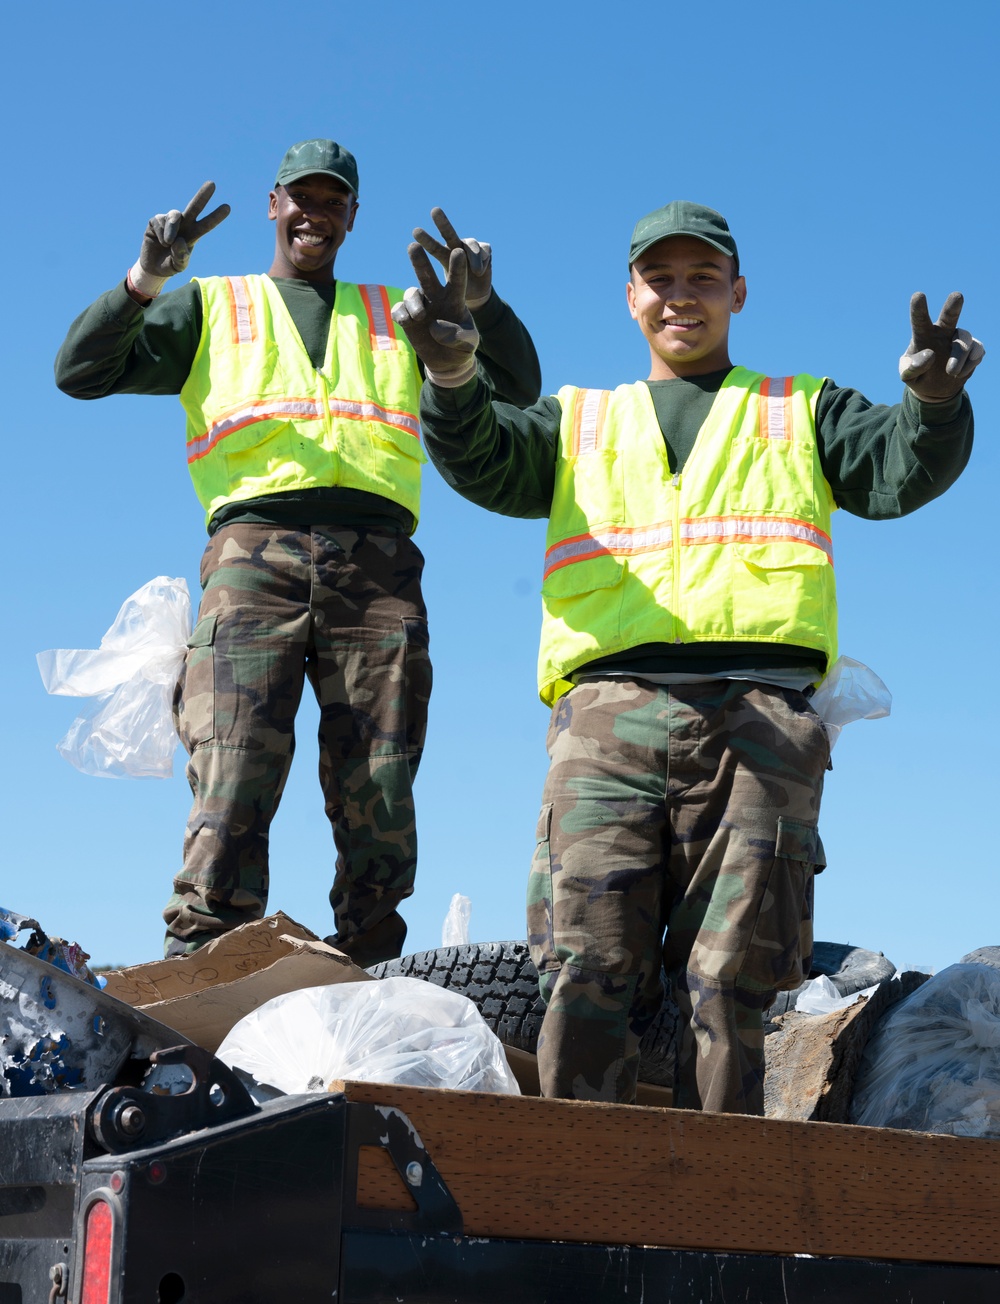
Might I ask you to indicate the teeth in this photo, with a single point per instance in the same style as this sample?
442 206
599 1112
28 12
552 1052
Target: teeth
307 237
683 321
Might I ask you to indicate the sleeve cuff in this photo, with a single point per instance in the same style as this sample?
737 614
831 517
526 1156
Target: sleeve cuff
935 414
487 316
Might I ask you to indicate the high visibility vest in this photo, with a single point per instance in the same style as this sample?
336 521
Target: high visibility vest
735 548
262 420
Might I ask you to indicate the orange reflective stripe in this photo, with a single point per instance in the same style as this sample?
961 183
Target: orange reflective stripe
776 407
242 318
755 529
625 541
589 409
380 323
303 409
365 410
628 541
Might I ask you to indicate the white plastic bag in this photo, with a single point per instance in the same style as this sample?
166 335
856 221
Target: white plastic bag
128 733
455 929
398 1030
821 996
851 691
933 1063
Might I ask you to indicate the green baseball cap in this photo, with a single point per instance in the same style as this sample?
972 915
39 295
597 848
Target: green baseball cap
683 218
311 156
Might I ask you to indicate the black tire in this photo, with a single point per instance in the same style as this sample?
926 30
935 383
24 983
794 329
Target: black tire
500 978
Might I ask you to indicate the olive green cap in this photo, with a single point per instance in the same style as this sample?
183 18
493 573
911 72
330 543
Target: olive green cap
683 218
311 156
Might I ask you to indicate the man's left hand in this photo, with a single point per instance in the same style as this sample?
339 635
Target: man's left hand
478 255
940 357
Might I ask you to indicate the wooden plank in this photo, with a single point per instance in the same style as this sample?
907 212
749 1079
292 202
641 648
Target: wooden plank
621 1174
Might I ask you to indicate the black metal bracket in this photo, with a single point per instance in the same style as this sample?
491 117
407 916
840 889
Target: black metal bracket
389 1129
127 1118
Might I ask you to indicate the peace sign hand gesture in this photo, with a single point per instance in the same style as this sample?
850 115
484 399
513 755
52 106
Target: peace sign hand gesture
940 357
169 239
478 255
437 322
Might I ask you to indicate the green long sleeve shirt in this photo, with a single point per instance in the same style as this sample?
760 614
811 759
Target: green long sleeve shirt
116 346
880 462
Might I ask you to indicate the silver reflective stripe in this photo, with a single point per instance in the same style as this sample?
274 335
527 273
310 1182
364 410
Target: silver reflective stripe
752 529
384 338
242 311
292 407
367 411
617 542
590 410
777 423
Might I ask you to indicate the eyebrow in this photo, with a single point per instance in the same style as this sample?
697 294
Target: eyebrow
643 268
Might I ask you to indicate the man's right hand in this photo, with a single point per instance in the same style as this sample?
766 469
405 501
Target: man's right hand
437 322
169 239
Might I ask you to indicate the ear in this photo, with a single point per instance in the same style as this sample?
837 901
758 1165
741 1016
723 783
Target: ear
739 293
630 296
354 213
272 206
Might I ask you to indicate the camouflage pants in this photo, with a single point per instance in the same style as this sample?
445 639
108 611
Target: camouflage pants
342 608
686 813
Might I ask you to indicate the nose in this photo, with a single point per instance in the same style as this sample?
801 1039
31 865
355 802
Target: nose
681 295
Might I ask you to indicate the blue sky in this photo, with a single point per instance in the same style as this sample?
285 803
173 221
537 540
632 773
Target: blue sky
851 146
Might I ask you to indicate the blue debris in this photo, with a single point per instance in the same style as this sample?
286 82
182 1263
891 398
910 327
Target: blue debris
70 957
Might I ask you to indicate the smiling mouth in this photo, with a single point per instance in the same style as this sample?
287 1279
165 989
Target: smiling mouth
682 321
310 238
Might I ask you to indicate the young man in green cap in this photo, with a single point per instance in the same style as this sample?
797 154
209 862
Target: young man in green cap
689 609
303 444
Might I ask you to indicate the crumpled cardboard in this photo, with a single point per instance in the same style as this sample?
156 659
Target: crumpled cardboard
204 995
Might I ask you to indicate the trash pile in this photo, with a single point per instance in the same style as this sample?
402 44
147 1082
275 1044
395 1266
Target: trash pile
289 1014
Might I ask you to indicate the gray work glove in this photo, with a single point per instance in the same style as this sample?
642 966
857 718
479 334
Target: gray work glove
940 358
437 322
169 239
479 257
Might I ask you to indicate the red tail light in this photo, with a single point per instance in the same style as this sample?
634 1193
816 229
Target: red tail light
98 1228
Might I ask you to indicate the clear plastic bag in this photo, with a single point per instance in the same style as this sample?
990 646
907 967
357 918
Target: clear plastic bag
398 1030
851 691
455 929
933 1063
129 732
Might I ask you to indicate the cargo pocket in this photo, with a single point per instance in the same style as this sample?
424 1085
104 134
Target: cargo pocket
540 939
780 951
196 689
419 678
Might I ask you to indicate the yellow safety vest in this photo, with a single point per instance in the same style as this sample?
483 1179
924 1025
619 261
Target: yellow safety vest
734 549
262 420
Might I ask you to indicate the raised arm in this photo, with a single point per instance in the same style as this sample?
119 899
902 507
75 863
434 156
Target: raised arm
883 462
505 353
494 454
133 340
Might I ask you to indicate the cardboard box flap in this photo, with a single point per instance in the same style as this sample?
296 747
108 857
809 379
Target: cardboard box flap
202 996
228 957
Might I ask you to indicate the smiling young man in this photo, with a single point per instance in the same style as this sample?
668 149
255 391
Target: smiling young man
688 610
303 444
